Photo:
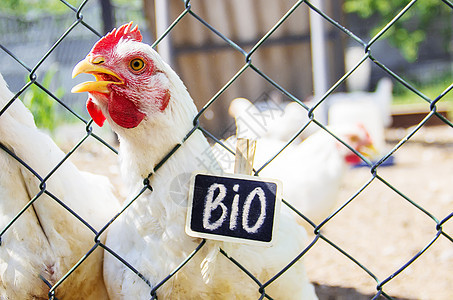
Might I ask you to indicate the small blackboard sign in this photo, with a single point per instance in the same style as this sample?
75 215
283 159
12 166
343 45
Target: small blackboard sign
233 208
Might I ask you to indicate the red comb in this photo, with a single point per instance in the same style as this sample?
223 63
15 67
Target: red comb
112 38
367 133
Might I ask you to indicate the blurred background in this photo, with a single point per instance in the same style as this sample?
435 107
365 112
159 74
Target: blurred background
306 56
418 47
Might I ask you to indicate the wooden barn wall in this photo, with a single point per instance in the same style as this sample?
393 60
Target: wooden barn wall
206 63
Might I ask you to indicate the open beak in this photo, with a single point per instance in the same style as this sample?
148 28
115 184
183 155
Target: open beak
104 77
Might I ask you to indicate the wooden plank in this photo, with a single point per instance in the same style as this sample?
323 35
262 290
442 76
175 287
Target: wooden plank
405 116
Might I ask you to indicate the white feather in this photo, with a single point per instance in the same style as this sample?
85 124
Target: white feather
47 240
311 171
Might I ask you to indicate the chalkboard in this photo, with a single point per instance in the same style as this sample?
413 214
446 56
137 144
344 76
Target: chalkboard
233 207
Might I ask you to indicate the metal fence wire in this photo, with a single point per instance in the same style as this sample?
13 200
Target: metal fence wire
188 10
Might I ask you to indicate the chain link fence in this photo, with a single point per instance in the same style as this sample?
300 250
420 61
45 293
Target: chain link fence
188 10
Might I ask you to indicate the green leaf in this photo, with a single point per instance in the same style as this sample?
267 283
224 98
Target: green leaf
41 105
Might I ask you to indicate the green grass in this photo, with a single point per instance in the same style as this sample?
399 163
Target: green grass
431 89
41 105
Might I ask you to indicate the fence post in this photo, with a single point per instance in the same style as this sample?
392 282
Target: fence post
162 23
108 17
318 58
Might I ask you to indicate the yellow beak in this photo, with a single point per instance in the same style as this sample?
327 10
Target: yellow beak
368 151
94 68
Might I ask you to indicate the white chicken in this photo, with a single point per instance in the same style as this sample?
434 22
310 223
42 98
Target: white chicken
373 110
46 240
149 107
311 171
274 120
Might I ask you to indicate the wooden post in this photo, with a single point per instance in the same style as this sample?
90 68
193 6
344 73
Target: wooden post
108 16
162 11
319 59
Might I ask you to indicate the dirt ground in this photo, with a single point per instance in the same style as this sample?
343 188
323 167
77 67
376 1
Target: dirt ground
383 231
380 229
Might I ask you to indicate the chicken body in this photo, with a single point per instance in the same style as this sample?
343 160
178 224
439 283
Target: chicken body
372 109
311 171
274 121
150 233
46 241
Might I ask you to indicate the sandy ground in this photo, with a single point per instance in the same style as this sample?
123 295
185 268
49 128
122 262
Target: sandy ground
383 231
380 228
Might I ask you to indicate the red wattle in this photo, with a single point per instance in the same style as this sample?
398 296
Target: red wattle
95 112
124 112
353 159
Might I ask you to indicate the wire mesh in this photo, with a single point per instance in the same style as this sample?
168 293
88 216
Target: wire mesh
187 10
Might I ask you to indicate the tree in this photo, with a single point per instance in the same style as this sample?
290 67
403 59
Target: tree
411 30
27 7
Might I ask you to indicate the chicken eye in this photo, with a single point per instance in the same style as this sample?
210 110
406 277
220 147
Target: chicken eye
137 64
